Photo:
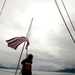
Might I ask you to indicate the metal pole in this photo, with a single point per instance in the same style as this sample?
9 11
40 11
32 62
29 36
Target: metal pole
20 58
24 46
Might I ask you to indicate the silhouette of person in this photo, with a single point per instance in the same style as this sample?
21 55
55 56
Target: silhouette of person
27 65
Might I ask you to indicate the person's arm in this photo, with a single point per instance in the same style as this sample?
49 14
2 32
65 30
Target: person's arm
22 62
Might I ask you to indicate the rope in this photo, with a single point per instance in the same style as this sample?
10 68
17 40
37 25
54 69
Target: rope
2 7
68 15
64 20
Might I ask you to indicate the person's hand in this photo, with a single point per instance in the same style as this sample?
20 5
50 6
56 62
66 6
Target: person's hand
20 72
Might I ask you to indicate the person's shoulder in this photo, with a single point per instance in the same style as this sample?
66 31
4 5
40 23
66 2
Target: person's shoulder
25 59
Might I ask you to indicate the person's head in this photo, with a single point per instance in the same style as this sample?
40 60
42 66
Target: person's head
30 56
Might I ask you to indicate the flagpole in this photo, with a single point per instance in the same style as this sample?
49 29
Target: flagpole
24 46
28 34
29 30
2 7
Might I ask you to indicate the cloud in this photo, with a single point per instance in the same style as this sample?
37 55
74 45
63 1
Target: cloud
50 42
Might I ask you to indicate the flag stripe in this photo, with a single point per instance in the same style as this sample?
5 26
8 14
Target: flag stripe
14 44
12 40
16 41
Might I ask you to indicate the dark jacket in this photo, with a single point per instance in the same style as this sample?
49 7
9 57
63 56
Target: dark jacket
26 67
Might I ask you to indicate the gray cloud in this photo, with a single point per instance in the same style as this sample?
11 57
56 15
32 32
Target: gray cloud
50 42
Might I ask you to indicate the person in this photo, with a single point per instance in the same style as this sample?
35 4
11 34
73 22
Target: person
27 65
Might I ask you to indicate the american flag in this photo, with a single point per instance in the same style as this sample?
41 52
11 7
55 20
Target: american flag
16 41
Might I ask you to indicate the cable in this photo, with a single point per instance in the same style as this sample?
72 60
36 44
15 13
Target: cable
64 20
2 7
68 15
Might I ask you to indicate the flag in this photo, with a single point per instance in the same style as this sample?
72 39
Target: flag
16 41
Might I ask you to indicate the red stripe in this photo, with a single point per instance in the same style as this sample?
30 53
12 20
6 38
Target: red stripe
15 42
11 39
15 47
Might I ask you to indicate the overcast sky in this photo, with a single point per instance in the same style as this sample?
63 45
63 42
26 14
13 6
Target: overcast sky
50 42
